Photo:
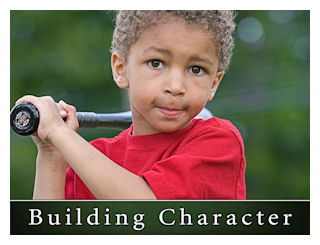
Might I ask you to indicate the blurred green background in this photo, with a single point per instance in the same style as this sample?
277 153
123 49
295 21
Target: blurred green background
265 92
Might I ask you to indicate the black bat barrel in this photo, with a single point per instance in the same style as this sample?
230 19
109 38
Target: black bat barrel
24 119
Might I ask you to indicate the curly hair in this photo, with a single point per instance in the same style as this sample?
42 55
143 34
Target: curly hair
130 23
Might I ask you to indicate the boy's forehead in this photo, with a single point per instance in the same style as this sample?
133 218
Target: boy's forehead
175 35
172 22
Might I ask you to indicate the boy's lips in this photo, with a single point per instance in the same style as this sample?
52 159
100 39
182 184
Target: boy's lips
169 112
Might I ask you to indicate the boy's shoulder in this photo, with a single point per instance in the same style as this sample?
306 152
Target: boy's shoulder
217 128
216 123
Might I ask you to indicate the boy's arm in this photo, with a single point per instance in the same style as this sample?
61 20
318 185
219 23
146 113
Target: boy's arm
50 168
50 176
104 178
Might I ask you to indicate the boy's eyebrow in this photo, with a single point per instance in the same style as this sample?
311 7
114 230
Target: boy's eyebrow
157 49
201 59
167 52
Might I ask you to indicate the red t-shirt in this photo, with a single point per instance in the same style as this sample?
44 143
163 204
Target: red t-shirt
202 161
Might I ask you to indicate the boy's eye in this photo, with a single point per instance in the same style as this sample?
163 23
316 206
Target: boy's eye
197 70
156 64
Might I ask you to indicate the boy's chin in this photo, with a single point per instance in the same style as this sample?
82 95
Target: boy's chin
170 127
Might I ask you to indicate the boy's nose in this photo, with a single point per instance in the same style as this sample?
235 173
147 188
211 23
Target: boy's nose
175 84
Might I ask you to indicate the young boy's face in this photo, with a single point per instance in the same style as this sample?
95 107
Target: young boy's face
171 73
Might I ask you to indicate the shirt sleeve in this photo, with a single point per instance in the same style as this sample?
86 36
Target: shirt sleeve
210 166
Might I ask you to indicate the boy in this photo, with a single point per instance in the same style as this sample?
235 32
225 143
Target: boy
171 62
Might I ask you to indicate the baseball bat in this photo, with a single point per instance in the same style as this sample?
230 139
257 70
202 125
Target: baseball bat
24 119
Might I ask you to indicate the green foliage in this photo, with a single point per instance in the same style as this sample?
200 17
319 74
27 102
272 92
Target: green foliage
265 92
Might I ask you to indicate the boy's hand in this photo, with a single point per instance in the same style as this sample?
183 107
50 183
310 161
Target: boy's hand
51 117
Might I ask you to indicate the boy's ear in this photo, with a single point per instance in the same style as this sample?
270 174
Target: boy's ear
215 84
118 66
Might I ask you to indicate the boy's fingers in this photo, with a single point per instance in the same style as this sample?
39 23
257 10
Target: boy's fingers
35 100
71 111
30 99
62 111
26 98
68 108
